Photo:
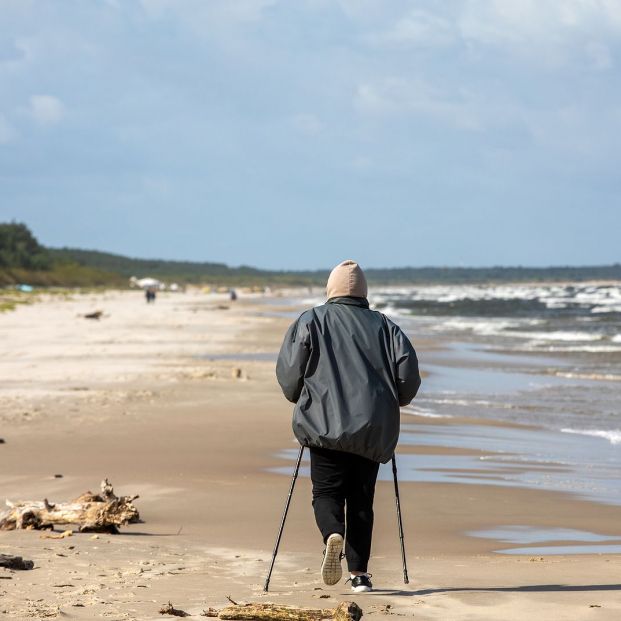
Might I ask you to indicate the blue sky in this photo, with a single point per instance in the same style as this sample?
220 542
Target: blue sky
293 134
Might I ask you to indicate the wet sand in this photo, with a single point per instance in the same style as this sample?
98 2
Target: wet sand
133 398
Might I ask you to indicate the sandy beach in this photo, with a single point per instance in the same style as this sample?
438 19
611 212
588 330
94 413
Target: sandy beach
178 402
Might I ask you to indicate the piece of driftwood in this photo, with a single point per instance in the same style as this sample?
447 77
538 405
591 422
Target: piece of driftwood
169 609
345 611
14 562
103 512
94 315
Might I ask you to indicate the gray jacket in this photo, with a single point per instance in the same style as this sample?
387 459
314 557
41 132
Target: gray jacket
347 369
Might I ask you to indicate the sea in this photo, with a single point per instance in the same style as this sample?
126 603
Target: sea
547 355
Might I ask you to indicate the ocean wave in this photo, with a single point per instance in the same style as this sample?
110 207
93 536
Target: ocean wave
613 308
559 335
483 327
553 295
418 411
589 349
613 436
609 377
472 402
516 329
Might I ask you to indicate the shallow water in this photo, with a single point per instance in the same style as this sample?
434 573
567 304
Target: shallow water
510 457
567 536
533 534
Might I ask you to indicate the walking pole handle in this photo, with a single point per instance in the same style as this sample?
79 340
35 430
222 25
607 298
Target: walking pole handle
284 517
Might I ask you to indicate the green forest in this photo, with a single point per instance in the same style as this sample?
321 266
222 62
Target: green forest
23 260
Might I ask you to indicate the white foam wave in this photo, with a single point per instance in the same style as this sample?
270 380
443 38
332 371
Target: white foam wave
553 296
609 377
511 329
559 335
613 436
589 349
472 402
418 411
612 308
484 327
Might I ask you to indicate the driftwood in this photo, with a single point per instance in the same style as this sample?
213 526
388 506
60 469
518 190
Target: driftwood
169 609
103 512
345 611
14 562
94 315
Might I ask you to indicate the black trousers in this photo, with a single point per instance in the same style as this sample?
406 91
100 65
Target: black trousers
343 490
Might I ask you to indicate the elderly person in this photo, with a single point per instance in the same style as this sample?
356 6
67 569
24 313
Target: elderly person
348 369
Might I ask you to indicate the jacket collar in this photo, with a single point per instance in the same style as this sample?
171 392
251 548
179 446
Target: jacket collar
350 300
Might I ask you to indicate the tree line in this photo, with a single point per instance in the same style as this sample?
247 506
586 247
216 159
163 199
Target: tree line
24 259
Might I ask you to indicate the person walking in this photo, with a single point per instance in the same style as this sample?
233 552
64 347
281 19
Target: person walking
348 369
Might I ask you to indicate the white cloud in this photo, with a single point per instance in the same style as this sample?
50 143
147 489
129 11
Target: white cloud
419 28
46 109
599 56
414 96
7 133
203 14
307 123
548 32
19 53
362 162
537 21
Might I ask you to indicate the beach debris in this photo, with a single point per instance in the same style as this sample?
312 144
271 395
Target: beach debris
103 512
169 609
2 441
63 535
236 373
14 562
58 476
98 314
345 611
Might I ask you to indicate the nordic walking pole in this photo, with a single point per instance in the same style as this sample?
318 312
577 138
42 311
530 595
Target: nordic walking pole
284 517
398 503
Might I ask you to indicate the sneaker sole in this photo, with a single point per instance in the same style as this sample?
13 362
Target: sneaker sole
362 589
331 570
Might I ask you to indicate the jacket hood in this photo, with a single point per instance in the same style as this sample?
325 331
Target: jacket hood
347 280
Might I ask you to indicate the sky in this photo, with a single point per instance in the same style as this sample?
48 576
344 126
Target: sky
294 134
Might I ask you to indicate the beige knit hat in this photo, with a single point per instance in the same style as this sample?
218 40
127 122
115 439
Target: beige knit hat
347 279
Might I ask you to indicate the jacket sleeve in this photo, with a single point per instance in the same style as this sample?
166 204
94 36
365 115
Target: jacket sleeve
406 364
292 360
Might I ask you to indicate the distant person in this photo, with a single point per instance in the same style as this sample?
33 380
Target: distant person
232 295
347 369
150 295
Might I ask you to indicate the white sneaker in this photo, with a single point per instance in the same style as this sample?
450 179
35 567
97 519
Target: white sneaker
331 570
361 584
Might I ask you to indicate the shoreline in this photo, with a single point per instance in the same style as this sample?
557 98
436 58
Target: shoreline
197 445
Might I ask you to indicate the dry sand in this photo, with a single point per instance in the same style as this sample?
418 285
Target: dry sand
128 398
